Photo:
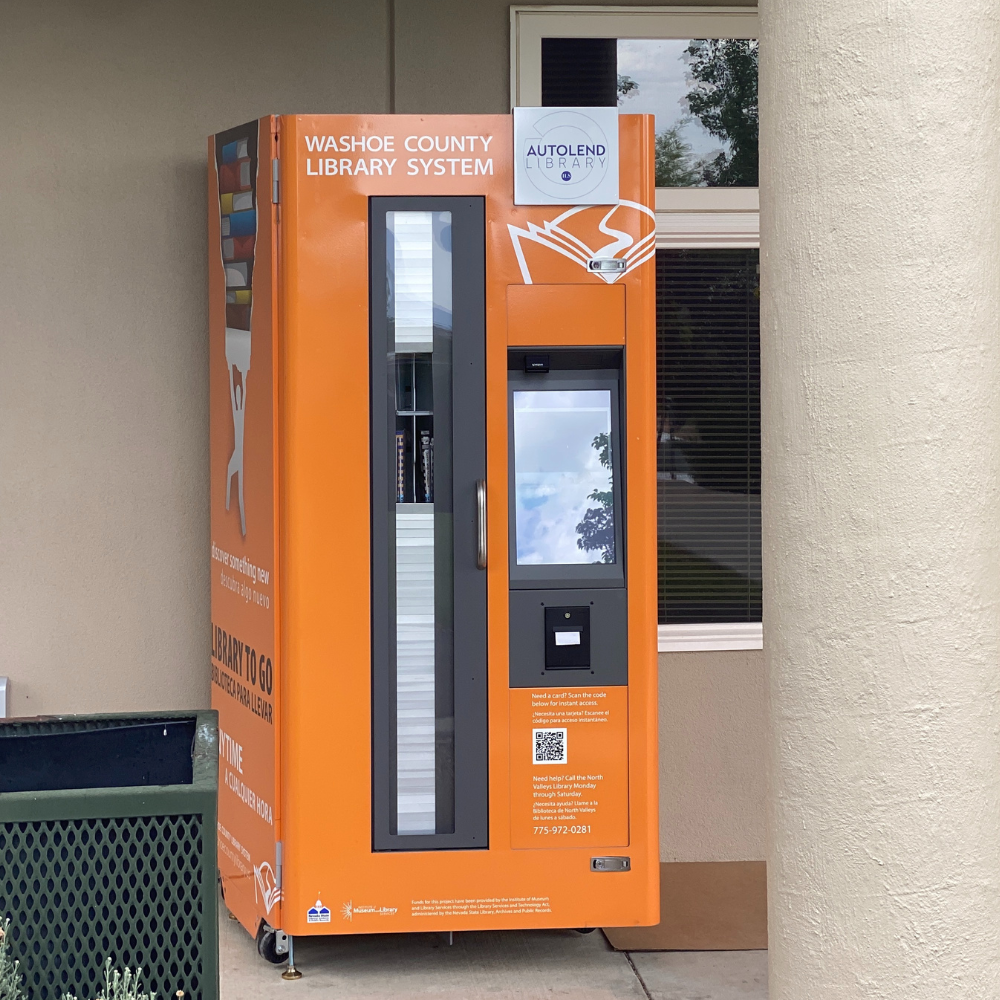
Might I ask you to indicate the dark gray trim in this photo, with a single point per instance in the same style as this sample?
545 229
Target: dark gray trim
608 638
579 575
468 426
568 359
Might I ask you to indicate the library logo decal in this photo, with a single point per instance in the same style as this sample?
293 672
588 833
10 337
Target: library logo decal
236 164
270 892
565 156
318 914
605 241
348 909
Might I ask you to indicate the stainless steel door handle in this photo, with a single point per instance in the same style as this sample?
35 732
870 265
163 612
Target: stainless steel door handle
481 523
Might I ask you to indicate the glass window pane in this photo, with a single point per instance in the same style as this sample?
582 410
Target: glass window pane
708 436
703 93
412 303
563 478
579 72
418 265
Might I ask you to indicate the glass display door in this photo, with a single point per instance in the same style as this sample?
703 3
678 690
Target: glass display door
428 342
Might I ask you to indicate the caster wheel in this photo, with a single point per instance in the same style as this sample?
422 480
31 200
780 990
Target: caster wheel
585 930
222 893
267 946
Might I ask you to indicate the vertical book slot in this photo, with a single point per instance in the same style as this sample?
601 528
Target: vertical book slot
429 750
419 309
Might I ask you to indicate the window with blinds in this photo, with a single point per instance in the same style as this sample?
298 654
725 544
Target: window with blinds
708 327
708 435
579 72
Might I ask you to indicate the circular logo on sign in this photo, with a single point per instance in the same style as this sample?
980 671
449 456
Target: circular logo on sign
567 155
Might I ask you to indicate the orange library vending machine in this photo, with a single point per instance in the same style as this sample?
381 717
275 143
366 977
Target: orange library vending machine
433 545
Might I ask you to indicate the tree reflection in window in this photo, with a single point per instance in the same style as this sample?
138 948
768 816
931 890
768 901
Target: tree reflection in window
597 529
563 476
703 93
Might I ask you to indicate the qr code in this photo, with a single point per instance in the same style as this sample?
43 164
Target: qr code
550 746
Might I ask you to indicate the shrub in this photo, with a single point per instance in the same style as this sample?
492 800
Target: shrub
118 986
10 976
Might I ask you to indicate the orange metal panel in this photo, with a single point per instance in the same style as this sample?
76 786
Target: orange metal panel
244 490
321 461
584 802
565 315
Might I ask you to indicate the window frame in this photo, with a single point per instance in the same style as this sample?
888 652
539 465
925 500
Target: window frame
708 218
530 24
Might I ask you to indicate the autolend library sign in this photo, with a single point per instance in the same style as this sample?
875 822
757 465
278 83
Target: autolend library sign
565 156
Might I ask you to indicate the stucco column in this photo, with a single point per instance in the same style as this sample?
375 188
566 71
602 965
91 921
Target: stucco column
880 237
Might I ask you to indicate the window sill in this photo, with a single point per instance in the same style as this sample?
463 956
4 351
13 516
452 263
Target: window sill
700 638
707 217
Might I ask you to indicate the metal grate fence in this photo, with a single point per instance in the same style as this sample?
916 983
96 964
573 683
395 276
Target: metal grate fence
122 873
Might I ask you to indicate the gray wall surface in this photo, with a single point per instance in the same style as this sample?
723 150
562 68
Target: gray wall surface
104 594
103 318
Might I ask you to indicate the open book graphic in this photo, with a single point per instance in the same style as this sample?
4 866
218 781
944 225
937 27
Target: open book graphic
586 236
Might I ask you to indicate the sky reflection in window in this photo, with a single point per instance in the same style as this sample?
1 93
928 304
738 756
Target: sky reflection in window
703 93
564 506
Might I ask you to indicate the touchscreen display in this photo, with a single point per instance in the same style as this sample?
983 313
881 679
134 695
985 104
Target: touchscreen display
563 477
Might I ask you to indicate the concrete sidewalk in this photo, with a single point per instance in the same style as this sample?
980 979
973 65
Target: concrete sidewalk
500 965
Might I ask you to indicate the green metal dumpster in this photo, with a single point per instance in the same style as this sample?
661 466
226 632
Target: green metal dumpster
108 850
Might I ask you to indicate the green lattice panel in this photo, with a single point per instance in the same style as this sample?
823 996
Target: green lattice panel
82 723
129 888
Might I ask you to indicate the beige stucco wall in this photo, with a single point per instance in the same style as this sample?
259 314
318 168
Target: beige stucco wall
103 345
713 729
880 307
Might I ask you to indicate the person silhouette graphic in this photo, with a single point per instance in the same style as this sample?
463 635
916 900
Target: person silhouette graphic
238 399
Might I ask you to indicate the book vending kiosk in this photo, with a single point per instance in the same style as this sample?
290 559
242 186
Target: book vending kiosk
433 522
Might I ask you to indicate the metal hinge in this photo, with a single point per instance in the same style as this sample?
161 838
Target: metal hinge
274 180
277 864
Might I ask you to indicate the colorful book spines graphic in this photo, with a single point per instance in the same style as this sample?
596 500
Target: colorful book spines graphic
238 317
240 223
238 149
235 177
238 308
237 274
241 201
239 229
238 247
